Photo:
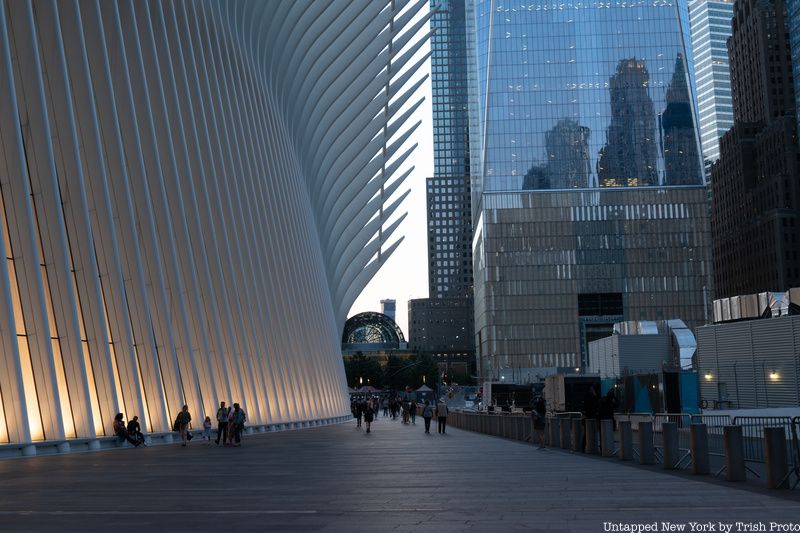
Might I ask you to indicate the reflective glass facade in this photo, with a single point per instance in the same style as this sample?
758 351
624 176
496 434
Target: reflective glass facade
448 192
443 323
585 94
710 23
449 89
588 198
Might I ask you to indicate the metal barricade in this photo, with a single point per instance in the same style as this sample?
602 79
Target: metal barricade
633 418
683 421
796 448
712 421
753 434
715 425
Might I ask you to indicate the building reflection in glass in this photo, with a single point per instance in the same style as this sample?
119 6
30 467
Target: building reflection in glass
629 156
584 94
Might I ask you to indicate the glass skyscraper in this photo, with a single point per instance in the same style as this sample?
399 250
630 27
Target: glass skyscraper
710 23
442 324
448 191
588 191
577 95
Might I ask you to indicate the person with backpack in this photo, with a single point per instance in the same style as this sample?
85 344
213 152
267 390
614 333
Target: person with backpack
368 415
223 413
183 423
239 418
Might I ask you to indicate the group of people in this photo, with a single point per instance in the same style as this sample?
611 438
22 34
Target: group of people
600 408
364 408
367 409
230 425
132 432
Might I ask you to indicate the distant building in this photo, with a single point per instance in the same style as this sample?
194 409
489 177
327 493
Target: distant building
389 308
442 324
756 182
369 330
710 25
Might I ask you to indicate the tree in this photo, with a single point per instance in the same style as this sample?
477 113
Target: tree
395 376
426 371
362 370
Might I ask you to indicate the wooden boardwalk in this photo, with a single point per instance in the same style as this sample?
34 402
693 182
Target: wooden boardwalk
338 478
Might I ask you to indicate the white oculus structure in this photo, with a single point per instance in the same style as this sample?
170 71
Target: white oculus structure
193 195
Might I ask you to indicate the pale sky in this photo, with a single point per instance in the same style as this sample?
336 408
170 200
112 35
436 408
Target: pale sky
405 275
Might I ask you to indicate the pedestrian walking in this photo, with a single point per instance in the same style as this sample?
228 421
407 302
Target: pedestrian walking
441 415
368 417
359 413
427 414
385 405
207 430
183 424
223 413
412 410
539 417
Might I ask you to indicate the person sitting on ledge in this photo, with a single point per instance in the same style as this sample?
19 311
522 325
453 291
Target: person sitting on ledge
135 430
121 432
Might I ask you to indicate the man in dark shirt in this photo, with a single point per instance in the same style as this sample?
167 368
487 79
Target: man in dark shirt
135 430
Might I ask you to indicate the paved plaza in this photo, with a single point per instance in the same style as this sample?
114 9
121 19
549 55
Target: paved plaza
338 478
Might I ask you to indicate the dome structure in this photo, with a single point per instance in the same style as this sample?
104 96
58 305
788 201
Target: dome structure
372 328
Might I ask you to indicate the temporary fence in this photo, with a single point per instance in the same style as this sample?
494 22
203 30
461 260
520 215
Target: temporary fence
675 428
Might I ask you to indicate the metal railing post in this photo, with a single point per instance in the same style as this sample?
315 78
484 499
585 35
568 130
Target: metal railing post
734 453
555 431
607 438
591 435
669 437
647 452
577 434
776 458
625 441
699 447
565 433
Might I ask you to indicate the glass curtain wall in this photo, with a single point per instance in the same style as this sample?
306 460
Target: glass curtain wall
585 94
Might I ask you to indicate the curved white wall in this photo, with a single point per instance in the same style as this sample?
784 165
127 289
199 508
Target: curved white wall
189 193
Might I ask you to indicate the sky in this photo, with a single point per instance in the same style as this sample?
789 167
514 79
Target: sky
404 276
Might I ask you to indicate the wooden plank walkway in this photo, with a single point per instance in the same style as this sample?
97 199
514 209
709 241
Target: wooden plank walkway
338 478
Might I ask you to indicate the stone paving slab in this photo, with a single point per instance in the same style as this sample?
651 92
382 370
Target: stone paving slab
337 478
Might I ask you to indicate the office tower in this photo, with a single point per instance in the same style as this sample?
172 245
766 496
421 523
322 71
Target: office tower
443 323
710 23
389 308
588 195
186 198
756 182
